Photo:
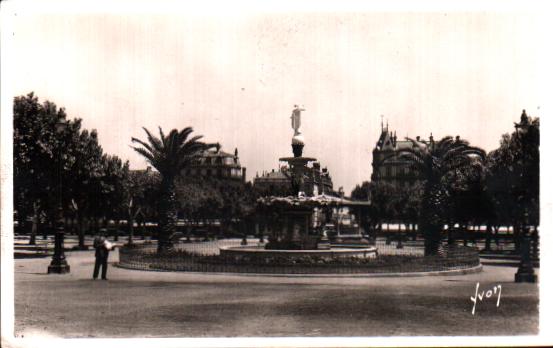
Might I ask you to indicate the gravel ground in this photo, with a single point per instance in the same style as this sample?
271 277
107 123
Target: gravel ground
169 304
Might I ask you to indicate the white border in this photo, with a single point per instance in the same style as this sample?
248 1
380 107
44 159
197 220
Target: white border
245 7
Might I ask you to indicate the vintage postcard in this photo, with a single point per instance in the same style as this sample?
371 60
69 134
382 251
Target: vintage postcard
275 174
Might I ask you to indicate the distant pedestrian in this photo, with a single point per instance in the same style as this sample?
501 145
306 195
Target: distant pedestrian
102 246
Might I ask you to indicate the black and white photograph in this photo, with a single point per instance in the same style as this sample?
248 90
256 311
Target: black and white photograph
274 174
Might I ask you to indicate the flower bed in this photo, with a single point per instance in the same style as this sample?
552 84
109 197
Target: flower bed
146 258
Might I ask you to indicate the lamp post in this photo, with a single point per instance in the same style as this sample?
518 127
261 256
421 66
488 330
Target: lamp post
59 264
525 272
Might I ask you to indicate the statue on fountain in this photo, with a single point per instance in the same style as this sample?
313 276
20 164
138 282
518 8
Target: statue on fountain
296 119
297 140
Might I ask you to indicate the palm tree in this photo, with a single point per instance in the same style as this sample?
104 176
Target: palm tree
439 164
169 155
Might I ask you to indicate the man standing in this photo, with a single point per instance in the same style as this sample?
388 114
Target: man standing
102 246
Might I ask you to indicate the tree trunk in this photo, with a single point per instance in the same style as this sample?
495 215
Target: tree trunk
167 216
535 243
96 225
450 231
43 228
432 238
488 246
259 231
516 237
34 226
131 228
80 231
188 232
400 238
142 226
116 232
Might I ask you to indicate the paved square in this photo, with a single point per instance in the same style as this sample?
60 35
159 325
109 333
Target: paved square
167 304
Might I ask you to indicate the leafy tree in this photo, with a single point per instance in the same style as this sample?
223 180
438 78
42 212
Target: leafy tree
92 182
435 160
230 202
239 202
114 189
361 192
412 206
513 176
198 199
468 204
83 184
169 155
381 203
143 190
388 202
37 158
380 195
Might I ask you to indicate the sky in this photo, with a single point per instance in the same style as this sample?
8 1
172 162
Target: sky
235 78
234 72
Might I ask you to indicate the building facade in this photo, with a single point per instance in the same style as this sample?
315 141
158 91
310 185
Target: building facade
217 164
388 167
316 182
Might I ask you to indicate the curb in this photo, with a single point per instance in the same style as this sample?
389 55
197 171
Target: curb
452 272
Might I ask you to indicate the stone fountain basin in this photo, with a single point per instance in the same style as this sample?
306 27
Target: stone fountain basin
334 252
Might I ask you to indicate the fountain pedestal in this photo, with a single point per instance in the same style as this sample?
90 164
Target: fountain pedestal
295 231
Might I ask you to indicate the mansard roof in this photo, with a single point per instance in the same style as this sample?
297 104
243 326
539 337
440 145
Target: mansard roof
388 142
215 153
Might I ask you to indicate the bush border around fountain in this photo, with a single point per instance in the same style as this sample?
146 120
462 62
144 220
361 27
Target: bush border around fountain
455 260
248 251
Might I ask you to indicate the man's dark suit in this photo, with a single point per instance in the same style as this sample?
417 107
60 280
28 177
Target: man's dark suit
102 254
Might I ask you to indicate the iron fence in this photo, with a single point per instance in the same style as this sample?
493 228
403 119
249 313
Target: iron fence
204 257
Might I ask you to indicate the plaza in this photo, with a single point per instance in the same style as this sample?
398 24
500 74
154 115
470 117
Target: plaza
258 174
136 303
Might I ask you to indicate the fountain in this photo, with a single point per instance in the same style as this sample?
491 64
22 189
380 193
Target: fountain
293 233
297 243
